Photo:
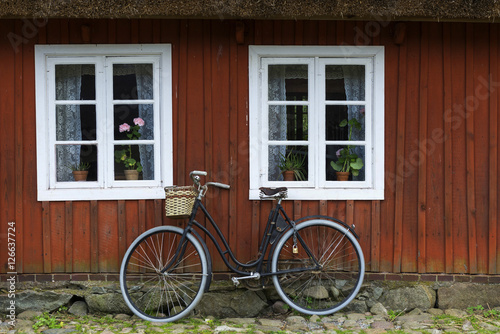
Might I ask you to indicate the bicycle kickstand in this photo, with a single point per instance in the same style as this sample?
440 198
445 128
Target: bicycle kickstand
236 280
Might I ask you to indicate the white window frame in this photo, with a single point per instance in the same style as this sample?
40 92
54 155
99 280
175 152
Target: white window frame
316 187
103 56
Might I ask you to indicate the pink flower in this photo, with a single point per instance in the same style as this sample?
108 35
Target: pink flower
339 152
124 127
139 121
362 111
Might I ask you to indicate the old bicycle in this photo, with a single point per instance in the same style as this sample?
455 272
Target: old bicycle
315 263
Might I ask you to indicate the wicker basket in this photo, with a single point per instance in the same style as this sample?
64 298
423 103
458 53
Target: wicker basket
179 201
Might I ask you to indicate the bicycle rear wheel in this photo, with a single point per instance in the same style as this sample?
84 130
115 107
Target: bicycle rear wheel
169 296
335 265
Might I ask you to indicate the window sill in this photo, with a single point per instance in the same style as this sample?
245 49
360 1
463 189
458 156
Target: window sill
87 194
328 194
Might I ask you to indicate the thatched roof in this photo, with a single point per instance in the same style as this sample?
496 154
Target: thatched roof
487 10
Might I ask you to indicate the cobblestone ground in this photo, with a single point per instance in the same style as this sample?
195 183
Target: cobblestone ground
433 321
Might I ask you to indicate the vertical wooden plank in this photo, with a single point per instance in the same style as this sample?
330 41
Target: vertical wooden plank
81 242
448 151
434 148
409 244
57 238
233 161
68 236
469 127
390 160
109 236
493 153
122 228
375 236
22 65
481 99
94 237
255 221
400 148
47 254
456 117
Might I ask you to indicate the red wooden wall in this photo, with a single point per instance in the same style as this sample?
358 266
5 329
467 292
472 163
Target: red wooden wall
440 212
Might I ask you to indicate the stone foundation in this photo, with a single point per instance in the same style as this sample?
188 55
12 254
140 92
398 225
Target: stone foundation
224 300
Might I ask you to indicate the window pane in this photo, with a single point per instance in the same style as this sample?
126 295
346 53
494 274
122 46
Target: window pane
283 158
345 122
287 83
345 82
75 82
288 123
138 157
70 157
134 116
344 158
75 122
132 81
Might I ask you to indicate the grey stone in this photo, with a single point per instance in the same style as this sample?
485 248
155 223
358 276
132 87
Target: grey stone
79 308
357 306
435 311
415 311
107 303
241 321
408 298
467 326
271 323
356 316
489 327
280 307
379 309
382 325
122 316
314 318
464 295
46 301
233 304
295 319
316 292
29 314
58 330
455 313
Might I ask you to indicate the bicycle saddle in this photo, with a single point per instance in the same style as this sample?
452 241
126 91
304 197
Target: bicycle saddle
273 192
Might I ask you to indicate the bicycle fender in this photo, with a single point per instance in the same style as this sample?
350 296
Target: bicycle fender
351 229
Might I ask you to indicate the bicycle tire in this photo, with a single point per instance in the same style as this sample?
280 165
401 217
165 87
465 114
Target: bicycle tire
158 297
331 287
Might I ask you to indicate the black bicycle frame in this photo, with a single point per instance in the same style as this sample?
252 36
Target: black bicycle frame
273 217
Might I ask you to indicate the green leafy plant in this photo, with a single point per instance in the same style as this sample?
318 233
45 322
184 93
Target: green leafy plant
293 162
125 155
347 160
47 320
81 166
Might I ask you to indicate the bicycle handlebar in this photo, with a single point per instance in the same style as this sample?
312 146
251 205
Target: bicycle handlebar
195 176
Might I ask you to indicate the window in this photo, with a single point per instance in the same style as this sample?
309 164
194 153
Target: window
108 109
320 108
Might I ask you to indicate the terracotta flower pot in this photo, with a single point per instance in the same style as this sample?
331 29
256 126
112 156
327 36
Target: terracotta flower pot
131 174
343 176
80 175
289 175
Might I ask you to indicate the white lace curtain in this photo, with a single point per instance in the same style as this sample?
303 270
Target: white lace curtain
354 83
144 79
68 87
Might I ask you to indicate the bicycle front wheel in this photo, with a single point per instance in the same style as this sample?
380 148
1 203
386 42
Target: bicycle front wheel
319 267
169 295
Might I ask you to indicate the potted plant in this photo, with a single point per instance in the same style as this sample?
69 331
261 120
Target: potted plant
292 166
347 161
132 166
80 171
